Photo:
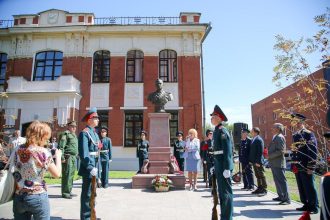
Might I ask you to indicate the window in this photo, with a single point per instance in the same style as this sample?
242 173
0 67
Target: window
174 125
3 64
274 116
133 126
101 66
104 118
134 66
168 66
48 65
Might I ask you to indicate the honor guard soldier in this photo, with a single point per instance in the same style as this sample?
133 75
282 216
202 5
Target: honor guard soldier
244 152
179 145
325 189
304 155
88 143
106 156
223 161
68 144
142 149
207 154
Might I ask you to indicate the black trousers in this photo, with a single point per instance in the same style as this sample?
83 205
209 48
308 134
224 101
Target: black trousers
247 172
260 175
307 191
181 163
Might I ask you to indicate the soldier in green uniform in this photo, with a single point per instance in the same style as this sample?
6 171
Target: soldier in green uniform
223 162
68 144
106 156
89 143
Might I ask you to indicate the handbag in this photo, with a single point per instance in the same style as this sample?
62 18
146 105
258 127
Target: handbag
197 156
7 181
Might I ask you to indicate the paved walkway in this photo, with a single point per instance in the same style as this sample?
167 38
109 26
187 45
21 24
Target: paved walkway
120 202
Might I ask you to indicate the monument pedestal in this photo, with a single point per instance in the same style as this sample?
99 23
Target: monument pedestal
159 153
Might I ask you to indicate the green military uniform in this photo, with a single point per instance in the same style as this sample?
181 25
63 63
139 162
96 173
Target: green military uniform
68 144
223 161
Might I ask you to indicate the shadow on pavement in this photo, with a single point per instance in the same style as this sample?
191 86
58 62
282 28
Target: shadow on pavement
54 196
260 213
59 218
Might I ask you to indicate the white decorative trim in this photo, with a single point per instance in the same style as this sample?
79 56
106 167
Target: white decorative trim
100 108
133 108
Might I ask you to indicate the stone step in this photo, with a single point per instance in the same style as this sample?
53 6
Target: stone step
159 169
159 163
165 156
160 149
144 180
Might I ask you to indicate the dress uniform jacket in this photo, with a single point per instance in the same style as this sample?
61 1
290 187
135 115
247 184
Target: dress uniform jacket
88 148
223 160
106 151
306 152
178 149
142 149
244 151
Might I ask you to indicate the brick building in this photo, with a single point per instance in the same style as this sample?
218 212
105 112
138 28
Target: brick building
265 112
55 65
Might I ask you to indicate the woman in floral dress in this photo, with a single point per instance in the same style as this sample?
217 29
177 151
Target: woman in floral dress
31 161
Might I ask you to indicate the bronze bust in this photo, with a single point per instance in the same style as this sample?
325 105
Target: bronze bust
159 98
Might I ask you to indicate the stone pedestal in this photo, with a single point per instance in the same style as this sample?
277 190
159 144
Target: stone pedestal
159 153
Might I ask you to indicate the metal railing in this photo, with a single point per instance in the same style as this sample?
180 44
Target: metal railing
137 20
119 21
6 23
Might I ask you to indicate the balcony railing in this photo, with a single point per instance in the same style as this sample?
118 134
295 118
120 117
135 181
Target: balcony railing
137 20
119 21
6 23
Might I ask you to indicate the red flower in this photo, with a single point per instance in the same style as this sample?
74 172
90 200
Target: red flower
24 154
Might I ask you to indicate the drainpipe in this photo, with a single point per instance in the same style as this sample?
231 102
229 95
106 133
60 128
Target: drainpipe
207 31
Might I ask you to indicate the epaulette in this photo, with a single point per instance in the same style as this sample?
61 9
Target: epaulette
307 131
85 130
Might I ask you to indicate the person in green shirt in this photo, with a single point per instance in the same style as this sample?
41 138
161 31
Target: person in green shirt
68 144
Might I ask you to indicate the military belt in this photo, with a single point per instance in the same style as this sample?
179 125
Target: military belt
218 152
210 152
93 153
104 151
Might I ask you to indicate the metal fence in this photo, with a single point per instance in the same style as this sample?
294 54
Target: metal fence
6 23
137 20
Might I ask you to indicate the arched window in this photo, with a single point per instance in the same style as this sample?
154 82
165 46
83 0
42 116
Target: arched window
3 64
168 66
48 65
101 66
134 66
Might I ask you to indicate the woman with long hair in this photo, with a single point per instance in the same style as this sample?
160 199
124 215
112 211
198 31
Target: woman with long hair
31 161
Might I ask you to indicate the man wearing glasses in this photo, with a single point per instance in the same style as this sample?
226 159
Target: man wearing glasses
89 144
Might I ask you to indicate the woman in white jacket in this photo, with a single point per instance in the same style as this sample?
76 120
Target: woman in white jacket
192 157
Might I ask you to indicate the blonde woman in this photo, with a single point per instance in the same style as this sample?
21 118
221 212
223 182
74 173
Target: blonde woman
192 158
31 161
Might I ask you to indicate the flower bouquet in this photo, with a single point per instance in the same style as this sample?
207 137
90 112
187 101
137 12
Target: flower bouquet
161 183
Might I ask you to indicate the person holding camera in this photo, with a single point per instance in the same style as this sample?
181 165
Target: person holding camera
69 146
31 162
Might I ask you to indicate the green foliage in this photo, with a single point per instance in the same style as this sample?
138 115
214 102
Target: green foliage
51 180
121 174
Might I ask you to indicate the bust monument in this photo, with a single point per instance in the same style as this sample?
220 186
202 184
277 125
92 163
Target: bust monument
159 98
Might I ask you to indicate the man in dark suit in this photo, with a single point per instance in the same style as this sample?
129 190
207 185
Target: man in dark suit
304 155
277 164
244 152
223 163
256 160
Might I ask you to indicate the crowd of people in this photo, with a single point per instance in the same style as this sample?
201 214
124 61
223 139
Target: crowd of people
29 160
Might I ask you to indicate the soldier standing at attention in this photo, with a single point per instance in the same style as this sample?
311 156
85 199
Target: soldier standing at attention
106 156
207 154
142 149
304 155
69 146
223 161
244 152
179 145
88 143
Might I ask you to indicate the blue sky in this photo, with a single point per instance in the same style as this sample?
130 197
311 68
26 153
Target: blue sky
238 53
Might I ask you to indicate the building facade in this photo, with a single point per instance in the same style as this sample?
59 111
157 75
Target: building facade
55 65
278 106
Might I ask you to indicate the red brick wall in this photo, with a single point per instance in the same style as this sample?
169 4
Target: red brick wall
117 86
190 93
264 110
20 67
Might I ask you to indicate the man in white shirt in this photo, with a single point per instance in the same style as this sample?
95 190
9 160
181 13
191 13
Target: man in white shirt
16 141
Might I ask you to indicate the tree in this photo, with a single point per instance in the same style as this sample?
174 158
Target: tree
310 90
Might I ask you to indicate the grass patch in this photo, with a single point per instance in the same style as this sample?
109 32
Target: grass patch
51 180
292 184
121 174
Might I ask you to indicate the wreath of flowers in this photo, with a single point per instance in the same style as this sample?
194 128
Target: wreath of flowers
161 181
